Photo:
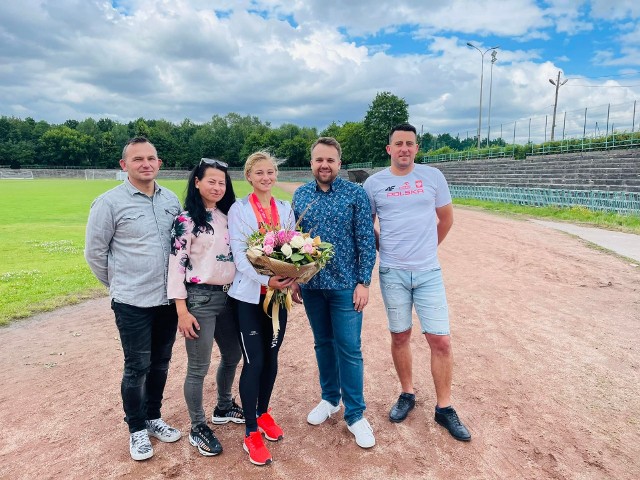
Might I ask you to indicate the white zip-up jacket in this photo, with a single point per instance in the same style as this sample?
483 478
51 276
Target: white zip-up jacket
242 223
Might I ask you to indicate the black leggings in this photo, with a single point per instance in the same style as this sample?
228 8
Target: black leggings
260 354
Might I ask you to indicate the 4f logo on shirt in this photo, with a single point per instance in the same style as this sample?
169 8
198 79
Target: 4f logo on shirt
390 188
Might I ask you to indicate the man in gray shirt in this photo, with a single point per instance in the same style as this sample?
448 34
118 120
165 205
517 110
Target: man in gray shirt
127 247
413 204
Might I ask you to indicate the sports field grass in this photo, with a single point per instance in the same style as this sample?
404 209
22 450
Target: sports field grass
577 214
43 265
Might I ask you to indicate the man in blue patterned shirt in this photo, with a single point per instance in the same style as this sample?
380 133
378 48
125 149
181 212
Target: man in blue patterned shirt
339 211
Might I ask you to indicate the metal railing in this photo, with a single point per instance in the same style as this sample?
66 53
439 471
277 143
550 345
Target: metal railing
585 145
620 202
503 152
612 142
361 165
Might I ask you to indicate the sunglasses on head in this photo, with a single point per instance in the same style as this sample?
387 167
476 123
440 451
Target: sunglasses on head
213 161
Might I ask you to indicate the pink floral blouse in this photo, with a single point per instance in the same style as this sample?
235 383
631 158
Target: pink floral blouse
199 255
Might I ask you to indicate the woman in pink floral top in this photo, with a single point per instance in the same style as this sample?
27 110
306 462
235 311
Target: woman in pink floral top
200 270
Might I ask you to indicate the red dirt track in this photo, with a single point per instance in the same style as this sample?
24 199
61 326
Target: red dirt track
546 335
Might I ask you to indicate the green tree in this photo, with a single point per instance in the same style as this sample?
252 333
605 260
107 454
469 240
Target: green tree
353 140
65 146
385 111
257 140
105 125
88 126
168 147
333 130
139 128
295 151
73 124
108 151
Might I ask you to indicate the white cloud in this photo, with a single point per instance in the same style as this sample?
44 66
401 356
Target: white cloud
291 62
615 9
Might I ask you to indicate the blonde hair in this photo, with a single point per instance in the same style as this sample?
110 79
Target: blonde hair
258 157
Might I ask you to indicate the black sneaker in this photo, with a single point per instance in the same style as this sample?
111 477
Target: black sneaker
402 407
202 436
233 414
448 418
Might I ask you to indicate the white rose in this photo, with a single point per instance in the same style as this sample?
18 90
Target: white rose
257 251
297 242
308 241
286 250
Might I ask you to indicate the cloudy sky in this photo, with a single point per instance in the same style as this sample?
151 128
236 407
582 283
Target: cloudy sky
311 62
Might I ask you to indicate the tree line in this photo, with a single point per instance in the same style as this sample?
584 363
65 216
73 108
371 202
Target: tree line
94 143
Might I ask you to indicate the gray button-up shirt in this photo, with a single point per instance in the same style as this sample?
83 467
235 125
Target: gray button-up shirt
127 243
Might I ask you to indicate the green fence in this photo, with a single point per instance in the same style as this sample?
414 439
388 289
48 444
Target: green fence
620 202
497 152
611 142
586 145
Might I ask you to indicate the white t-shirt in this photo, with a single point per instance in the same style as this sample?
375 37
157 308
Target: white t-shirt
405 206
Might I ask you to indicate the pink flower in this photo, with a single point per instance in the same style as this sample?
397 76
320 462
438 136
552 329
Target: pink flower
307 248
182 218
269 239
267 250
194 280
285 236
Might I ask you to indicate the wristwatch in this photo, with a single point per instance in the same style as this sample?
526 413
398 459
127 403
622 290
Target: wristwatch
365 284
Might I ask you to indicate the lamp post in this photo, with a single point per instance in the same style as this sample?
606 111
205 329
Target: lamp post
493 60
471 45
557 84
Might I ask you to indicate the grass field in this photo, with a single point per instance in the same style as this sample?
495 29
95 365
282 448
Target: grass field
578 215
43 266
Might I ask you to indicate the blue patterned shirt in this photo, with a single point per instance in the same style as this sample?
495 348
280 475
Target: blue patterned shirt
341 216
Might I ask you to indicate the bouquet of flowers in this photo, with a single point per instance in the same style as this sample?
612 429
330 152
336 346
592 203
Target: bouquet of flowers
289 253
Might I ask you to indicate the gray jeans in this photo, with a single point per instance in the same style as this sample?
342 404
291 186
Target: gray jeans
214 312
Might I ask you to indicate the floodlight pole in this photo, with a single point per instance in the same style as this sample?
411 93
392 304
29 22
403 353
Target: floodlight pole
471 45
555 104
493 60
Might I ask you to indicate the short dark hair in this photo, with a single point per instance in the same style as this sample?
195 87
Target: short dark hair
330 141
403 127
133 141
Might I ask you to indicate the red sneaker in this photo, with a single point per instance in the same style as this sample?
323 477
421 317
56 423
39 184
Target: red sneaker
254 446
269 427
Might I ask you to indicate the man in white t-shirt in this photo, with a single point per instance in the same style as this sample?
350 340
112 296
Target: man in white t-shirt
414 207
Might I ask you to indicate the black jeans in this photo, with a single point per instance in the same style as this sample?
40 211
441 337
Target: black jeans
147 336
260 366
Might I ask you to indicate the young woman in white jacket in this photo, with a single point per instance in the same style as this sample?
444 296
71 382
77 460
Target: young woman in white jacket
259 347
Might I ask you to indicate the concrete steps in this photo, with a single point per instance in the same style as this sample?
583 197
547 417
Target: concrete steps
608 171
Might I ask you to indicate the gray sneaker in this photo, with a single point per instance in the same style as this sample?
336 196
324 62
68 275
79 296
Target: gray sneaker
140 446
163 432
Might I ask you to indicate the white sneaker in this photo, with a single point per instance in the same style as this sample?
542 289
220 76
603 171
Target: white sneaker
163 432
363 433
140 446
322 411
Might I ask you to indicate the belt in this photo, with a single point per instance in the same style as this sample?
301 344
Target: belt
213 288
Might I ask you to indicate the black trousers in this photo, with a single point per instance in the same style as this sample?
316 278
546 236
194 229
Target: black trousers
260 353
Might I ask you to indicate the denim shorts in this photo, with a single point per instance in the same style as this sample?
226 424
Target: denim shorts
401 289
